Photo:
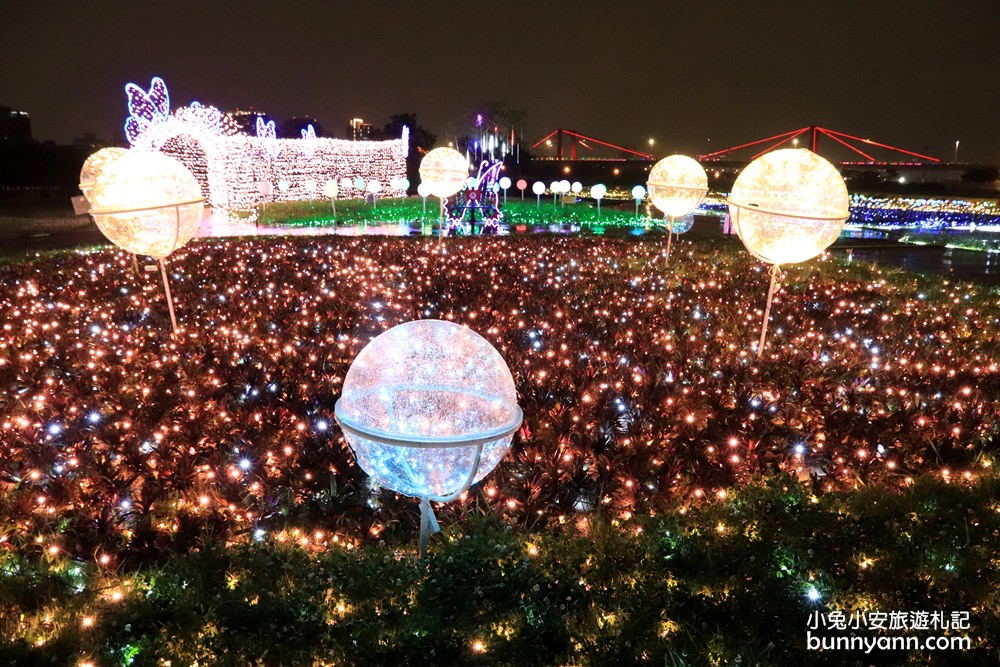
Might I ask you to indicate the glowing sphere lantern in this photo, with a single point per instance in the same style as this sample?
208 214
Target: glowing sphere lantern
682 224
428 408
95 164
148 204
677 184
445 171
331 190
788 206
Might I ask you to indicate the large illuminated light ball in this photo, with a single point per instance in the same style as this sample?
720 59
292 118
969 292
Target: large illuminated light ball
638 192
95 164
147 203
598 191
424 190
538 188
445 171
374 187
429 408
504 182
789 205
677 184
331 189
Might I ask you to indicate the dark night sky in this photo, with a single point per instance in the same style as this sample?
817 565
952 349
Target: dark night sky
914 73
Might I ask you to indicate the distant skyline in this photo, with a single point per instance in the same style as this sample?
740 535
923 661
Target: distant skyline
696 77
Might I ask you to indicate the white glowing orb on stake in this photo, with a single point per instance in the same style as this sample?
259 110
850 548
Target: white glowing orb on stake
445 171
504 183
148 204
788 206
331 190
638 194
677 185
539 189
428 408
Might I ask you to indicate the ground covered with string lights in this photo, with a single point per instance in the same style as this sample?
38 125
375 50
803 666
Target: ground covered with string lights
671 497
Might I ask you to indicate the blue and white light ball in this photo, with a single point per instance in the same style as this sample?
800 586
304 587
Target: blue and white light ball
418 402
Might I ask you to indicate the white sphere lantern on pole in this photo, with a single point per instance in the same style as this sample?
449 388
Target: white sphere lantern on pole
539 189
638 194
331 190
504 185
445 172
597 192
373 188
424 191
788 206
429 408
677 185
148 204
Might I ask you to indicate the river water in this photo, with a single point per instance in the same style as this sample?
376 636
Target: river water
858 245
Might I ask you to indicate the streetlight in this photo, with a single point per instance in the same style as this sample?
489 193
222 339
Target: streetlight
956 150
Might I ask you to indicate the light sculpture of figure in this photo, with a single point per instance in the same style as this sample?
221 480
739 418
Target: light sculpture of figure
787 206
677 185
149 204
429 408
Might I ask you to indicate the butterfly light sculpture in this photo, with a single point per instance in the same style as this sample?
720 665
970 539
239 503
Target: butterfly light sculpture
268 136
148 111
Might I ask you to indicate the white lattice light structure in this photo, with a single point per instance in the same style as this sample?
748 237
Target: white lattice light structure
149 204
788 206
229 165
429 408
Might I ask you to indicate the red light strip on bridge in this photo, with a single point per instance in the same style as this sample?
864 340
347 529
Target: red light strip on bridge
784 135
645 156
875 143
841 141
771 148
